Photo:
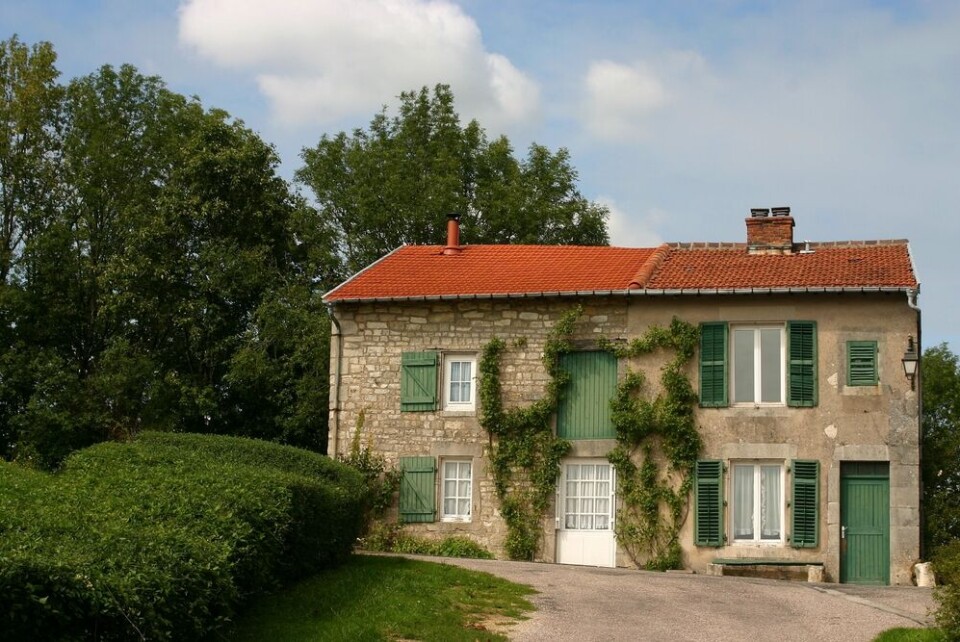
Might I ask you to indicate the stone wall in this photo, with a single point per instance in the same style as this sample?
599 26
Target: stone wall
848 424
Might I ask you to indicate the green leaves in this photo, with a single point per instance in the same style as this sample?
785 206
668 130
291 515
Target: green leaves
165 537
397 181
654 503
940 388
525 455
158 273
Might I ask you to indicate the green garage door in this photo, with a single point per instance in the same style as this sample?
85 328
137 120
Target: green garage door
865 522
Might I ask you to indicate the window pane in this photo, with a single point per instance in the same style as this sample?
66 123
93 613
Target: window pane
454 391
464 507
449 505
743 379
449 488
464 489
465 392
771 368
572 470
465 470
743 502
770 502
603 522
465 371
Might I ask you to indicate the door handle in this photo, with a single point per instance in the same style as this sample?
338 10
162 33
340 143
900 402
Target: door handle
843 532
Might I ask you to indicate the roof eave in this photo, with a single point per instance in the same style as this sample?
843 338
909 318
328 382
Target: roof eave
628 292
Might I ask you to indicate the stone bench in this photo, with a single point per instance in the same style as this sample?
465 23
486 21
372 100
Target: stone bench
775 568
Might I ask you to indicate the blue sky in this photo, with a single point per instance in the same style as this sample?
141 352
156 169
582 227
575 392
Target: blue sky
679 116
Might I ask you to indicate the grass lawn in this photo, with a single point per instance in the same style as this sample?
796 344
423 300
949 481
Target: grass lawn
387 598
911 635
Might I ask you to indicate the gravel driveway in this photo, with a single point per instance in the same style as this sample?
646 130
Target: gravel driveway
593 604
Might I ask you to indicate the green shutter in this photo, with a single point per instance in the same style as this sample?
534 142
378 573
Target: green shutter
584 412
862 363
802 363
418 381
418 489
713 364
708 526
805 504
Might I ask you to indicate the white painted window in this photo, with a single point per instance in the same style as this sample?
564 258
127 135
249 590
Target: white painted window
457 490
758 502
588 494
757 365
459 382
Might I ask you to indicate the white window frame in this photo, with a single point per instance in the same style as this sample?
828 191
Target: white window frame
456 515
757 539
448 360
757 365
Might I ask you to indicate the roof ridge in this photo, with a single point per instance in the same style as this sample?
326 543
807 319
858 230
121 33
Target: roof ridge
734 245
649 267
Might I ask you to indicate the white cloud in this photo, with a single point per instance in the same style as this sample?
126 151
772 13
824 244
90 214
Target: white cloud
625 102
619 97
632 230
319 60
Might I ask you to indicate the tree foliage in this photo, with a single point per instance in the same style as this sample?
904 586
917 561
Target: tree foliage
157 273
940 381
397 181
162 275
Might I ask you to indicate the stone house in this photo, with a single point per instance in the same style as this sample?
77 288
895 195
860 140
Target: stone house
809 421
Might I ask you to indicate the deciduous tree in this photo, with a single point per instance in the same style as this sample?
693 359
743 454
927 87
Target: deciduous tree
940 377
397 181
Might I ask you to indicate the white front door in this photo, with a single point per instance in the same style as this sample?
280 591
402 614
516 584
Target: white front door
585 513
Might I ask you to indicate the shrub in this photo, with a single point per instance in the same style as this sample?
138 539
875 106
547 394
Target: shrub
380 480
946 564
391 538
164 537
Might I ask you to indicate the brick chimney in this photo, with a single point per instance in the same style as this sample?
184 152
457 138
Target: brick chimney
770 231
453 235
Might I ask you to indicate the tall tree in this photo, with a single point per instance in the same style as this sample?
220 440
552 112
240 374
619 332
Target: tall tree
30 101
168 284
30 119
940 379
397 182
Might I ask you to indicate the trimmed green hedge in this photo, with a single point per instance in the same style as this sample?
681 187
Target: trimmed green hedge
164 537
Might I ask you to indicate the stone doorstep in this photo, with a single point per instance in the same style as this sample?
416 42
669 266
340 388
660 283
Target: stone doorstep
778 569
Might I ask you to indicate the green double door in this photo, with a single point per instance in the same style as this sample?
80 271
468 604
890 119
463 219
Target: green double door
865 522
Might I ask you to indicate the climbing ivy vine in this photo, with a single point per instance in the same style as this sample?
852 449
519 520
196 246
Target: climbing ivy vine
655 502
525 455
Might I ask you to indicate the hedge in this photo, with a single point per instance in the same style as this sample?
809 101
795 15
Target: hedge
165 537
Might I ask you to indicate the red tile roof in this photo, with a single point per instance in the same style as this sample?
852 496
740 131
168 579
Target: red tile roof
420 271
827 266
424 271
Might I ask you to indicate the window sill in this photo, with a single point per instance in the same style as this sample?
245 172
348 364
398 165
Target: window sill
739 543
862 391
457 412
455 520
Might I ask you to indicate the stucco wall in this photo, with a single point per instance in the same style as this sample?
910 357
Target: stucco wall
847 424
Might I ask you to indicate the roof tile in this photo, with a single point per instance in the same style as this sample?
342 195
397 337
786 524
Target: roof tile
415 271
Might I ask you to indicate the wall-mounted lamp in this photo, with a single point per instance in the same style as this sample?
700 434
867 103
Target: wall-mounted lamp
910 361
